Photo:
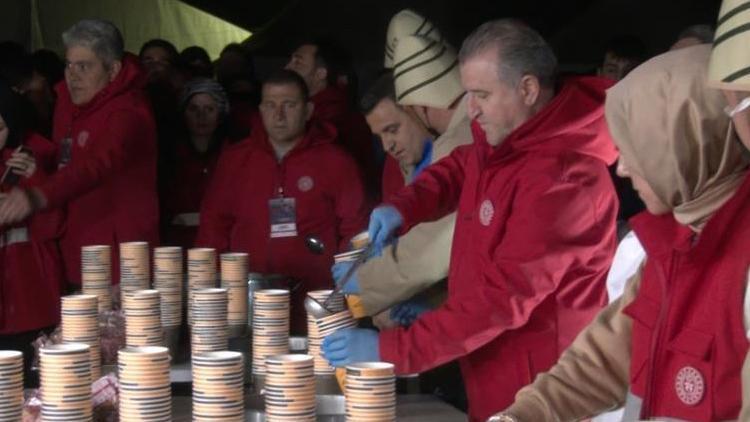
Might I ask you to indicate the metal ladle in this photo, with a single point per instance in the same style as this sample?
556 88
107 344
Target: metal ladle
315 245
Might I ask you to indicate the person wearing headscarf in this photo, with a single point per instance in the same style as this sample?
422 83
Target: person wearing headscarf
675 344
30 263
205 107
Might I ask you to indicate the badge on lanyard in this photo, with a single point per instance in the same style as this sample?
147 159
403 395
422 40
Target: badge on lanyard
283 216
66 152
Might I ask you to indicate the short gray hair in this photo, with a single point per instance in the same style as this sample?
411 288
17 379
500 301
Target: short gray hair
521 51
102 37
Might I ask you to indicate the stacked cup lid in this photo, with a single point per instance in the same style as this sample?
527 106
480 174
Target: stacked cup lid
143 319
218 386
65 382
370 392
145 391
209 332
168 281
135 269
11 385
234 279
270 326
201 273
290 388
96 274
80 324
314 339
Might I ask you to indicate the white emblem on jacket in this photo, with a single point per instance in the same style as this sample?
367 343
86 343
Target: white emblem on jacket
305 183
486 212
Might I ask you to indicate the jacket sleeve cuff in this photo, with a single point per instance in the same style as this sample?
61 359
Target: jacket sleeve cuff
527 411
408 218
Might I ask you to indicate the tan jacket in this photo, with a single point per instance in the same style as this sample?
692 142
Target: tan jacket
592 375
421 257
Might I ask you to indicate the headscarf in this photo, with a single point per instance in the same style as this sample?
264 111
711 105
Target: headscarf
671 130
205 86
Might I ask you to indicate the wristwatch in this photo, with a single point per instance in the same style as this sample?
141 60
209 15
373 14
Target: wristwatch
503 417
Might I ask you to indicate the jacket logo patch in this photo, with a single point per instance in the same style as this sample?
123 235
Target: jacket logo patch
486 212
689 385
83 137
305 183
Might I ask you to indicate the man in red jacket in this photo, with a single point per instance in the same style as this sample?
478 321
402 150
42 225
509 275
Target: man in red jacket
286 183
535 226
105 133
320 64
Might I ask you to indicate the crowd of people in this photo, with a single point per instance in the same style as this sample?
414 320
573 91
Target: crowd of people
495 217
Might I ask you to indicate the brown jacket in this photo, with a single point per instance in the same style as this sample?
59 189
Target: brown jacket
421 257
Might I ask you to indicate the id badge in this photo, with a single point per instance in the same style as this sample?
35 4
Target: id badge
283 216
66 152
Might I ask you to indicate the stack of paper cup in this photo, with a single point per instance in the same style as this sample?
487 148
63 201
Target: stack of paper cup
80 324
135 270
218 379
332 323
290 388
234 279
314 339
168 281
145 391
270 326
65 381
209 332
201 273
370 392
96 274
143 319
11 385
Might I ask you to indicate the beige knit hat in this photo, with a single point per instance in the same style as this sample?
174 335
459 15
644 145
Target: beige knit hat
404 23
729 67
425 72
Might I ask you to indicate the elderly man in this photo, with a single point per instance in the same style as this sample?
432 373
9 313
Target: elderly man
286 183
535 225
106 137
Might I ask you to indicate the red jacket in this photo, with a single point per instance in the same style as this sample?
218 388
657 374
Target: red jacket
332 105
534 238
108 188
393 179
182 193
688 337
30 262
330 205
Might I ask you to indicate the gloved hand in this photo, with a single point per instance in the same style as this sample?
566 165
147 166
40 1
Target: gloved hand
405 313
384 221
338 271
351 345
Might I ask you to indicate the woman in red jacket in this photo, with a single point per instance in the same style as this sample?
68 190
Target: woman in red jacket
205 108
30 265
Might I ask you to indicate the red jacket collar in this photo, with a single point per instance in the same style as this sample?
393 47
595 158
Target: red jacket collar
130 77
572 121
317 133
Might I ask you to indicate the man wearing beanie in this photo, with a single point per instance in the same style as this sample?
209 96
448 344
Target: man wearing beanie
421 258
535 223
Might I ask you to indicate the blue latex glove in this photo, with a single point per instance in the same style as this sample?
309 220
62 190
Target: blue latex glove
405 313
338 271
384 221
351 345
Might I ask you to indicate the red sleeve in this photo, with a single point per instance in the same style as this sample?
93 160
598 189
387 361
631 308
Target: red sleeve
216 216
123 141
435 192
555 234
352 206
